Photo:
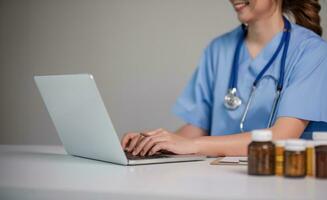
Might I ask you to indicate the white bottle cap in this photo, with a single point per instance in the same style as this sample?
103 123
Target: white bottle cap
280 143
319 136
295 148
295 145
320 142
296 142
261 135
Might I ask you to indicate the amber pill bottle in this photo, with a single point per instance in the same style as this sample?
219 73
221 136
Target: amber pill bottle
320 139
295 162
279 157
261 153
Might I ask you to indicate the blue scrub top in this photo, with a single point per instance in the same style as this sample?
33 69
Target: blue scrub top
304 95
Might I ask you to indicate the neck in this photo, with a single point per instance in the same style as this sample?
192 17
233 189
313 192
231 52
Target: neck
263 30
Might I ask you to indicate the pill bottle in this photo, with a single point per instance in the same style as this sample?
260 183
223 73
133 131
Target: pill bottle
310 151
279 157
320 139
295 162
261 153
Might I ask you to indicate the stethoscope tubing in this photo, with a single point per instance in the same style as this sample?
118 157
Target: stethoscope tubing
233 81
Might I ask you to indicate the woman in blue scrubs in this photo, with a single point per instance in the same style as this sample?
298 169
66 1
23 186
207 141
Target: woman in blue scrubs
268 52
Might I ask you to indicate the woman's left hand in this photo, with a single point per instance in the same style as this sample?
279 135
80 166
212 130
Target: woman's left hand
161 139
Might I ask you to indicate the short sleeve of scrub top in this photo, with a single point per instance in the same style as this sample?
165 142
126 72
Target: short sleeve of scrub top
195 104
305 95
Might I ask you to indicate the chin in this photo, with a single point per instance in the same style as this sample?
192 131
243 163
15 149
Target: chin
244 18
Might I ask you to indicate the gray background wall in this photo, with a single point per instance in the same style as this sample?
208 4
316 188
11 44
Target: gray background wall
141 52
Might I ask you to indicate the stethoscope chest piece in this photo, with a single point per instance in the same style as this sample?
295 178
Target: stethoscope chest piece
232 101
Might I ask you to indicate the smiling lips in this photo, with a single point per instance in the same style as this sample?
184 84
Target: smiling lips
239 5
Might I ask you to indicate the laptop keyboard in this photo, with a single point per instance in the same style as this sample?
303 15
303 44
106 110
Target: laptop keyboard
130 156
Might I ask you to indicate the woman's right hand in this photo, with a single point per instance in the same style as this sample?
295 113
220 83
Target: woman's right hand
130 140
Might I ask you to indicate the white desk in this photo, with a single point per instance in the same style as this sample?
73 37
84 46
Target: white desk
46 172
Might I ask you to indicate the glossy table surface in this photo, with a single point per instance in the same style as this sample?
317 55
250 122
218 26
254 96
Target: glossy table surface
47 172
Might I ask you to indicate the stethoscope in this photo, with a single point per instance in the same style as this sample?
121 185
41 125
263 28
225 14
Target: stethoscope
232 101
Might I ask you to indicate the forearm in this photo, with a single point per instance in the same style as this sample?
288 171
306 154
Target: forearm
230 145
236 144
227 145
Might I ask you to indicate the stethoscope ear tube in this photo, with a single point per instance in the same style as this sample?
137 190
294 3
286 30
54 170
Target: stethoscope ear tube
273 109
284 55
247 108
280 84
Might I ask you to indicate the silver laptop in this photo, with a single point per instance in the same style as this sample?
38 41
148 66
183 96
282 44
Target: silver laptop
83 123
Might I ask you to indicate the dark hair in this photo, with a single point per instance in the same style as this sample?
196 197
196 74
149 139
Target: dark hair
304 12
